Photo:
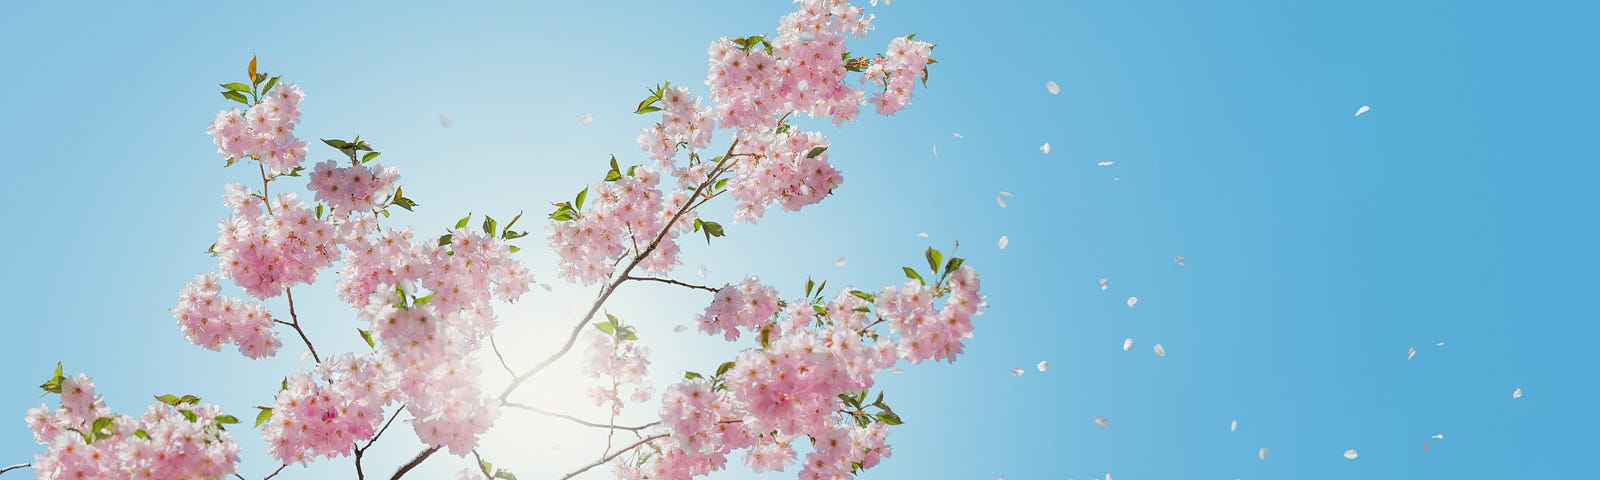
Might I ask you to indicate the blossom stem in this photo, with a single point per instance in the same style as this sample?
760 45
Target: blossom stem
612 287
296 324
614 455
14 467
275 472
423 455
674 282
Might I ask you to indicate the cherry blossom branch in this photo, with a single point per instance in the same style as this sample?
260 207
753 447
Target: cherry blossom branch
275 472
611 288
481 467
608 458
374 439
577 420
423 455
14 467
674 282
296 324
502 358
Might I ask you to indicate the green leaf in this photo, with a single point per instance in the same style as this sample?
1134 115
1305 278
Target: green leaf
912 274
864 295
227 419
236 96
646 106
809 285
53 385
613 176
953 264
514 248
509 235
462 223
504 475
405 203
445 239
168 399
189 415
268 87
692 375
101 428
724 368
721 183
237 87
889 418
711 229
284 385
336 143
607 327
485 465
366 335
816 151
141 434
488 225
577 204
369 156
263 416
190 399
423 300
934 257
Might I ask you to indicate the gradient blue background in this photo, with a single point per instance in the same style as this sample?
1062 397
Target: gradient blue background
1320 246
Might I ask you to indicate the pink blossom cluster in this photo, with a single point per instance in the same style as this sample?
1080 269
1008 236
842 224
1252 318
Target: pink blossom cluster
266 251
784 171
903 65
354 188
924 332
684 122
167 441
624 363
748 305
428 339
626 212
324 414
804 71
374 257
264 132
811 354
209 319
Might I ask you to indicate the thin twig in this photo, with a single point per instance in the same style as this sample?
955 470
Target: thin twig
423 455
611 288
502 358
374 439
14 467
608 458
290 293
577 420
481 466
275 472
674 282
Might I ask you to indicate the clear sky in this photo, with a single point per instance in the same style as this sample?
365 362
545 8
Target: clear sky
1320 245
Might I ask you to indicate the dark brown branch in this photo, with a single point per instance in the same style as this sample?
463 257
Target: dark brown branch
673 282
14 467
290 293
363 450
275 472
423 455
577 420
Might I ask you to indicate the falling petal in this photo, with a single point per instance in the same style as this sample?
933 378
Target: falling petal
1045 148
839 262
1263 453
1516 393
1411 353
1350 454
1106 164
1180 260
923 234
1103 284
1233 426
1127 344
895 370
546 287
444 120
701 272
680 328
304 356
1108 476
1440 344
1362 110
958 135
1102 422
1016 372
936 151
586 118
1043 365
1004 241
1424 447
1439 436
1132 301
1160 352
1052 87
1000 199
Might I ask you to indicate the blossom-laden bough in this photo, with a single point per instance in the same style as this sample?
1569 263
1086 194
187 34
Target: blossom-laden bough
426 304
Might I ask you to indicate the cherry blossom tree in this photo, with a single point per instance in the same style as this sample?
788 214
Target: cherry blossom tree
425 305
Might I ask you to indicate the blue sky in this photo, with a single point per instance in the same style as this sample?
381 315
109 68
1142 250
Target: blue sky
1320 245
